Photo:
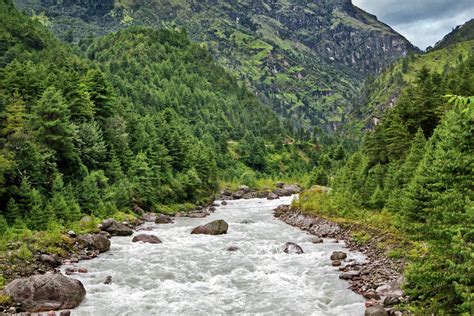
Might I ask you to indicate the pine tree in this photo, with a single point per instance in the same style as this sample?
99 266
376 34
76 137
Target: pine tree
13 211
38 216
14 117
51 126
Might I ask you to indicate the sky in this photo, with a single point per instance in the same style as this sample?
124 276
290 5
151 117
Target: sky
423 22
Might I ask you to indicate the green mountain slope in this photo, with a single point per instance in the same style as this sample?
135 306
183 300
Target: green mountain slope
461 33
144 120
383 92
307 59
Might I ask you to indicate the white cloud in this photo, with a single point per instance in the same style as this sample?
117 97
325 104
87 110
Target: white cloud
423 22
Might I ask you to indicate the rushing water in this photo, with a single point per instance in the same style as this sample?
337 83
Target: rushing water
194 274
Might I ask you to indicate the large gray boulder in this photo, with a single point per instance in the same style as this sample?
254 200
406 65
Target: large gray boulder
338 255
149 239
218 227
115 228
40 293
149 217
94 242
163 219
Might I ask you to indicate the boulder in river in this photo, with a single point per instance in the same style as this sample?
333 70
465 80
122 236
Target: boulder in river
232 248
149 217
163 219
336 263
218 227
94 242
108 280
149 239
272 196
224 203
338 255
115 228
317 240
238 195
50 291
292 249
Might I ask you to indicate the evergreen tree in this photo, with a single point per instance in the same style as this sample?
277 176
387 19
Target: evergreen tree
51 126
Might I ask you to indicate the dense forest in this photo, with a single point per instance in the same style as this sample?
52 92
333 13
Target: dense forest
414 173
141 117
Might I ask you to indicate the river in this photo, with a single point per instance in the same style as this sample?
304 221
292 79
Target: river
196 275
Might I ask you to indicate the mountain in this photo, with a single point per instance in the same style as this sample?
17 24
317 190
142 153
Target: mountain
382 93
461 33
307 59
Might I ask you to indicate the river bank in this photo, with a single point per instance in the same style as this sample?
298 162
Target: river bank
378 278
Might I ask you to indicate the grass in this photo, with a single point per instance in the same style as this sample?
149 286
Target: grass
378 228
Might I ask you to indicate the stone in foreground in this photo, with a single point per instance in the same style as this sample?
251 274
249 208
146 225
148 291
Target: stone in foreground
51 291
149 239
292 249
218 227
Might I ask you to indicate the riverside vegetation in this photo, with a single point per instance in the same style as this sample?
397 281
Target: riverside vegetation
145 119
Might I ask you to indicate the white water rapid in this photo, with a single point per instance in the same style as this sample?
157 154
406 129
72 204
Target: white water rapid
195 274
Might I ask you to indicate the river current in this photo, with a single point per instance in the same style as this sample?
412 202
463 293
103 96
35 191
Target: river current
195 274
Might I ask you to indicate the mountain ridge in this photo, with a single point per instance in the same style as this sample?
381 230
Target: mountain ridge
307 59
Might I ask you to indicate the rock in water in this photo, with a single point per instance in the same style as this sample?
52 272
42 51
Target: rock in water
376 310
292 248
108 280
115 228
272 196
40 293
149 239
94 242
218 227
163 219
149 217
338 255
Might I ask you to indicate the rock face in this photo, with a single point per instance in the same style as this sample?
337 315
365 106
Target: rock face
292 249
149 239
46 292
115 228
218 227
94 242
163 219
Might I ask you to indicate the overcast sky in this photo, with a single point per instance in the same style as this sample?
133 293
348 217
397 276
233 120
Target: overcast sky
423 22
